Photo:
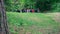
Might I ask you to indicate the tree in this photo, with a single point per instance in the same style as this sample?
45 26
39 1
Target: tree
3 22
43 5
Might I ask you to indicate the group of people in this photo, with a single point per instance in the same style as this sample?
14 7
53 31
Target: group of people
29 10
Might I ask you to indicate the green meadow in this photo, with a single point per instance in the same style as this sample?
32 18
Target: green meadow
32 23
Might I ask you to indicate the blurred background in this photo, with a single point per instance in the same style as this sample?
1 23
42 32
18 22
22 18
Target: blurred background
37 5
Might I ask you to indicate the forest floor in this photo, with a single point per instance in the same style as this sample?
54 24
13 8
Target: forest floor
33 23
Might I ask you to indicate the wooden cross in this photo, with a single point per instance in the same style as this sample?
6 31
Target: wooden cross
3 21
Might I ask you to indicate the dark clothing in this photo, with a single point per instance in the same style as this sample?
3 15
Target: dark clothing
30 10
36 10
23 10
18 11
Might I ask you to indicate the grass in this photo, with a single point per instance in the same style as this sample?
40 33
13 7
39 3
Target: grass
32 23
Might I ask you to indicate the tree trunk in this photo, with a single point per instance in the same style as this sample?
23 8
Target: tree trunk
3 22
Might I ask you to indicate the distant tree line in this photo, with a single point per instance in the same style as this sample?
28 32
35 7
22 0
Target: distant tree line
43 5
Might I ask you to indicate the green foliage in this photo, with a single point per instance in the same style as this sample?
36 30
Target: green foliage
43 5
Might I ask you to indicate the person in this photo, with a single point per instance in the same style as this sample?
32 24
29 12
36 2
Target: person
23 11
32 10
36 10
28 10
18 11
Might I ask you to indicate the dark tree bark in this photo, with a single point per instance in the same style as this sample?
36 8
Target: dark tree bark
3 21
